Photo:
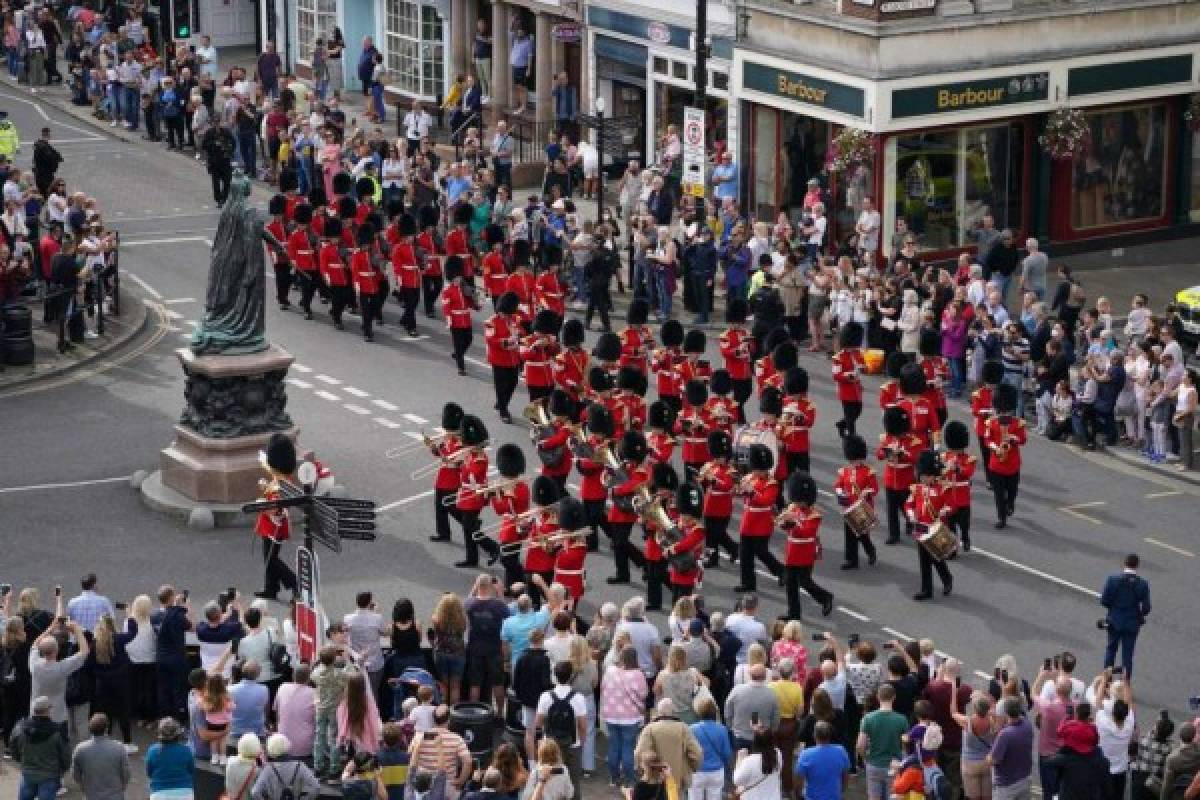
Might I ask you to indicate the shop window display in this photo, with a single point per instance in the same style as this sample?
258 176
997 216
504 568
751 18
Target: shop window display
1119 177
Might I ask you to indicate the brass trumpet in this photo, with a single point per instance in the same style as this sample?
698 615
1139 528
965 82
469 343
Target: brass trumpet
426 441
538 416
516 518
453 459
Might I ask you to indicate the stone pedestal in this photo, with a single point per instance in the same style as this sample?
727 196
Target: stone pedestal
233 406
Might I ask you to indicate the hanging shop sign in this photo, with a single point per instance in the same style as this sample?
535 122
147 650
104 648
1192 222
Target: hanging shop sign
567 32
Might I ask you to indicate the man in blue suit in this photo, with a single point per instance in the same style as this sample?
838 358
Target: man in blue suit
1127 598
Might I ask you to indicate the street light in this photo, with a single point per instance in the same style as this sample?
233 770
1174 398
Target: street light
600 106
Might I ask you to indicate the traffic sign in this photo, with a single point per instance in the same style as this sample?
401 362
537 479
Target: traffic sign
693 151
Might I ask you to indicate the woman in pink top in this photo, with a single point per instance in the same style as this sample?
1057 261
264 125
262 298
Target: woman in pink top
331 163
623 693
218 713
788 646
296 711
357 716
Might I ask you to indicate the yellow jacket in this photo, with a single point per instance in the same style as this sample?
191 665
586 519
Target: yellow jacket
10 139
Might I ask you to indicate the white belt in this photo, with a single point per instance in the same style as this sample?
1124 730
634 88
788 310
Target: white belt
558 571
759 509
794 540
717 492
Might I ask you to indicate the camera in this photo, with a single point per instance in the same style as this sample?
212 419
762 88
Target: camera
1194 702
889 646
818 637
5 589
1102 624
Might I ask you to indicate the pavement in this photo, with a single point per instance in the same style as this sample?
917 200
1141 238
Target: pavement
1030 590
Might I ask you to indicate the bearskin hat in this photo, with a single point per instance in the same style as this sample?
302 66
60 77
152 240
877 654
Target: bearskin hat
639 311
608 347
571 516
317 196
770 401
689 500
520 253
364 187
695 341
660 415
394 207
894 362
851 335
303 213
462 214
955 435
453 267
784 356
1004 400
572 332
993 372
854 448
365 234
795 381
896 421
545 321
342 183
474 432
561 404
736 311
276 205
510 460
333 228
721 382
599 420
671 333
280 454
664 477
452 416
720 444
544 491
928 463
912 379
930 343
696 392
775 337
801 488
429 217
493 234
760 457
288 180
599 380
507 303
629 378
346 207
632 447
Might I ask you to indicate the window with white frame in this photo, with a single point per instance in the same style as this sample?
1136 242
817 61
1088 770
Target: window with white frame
415 53
314 19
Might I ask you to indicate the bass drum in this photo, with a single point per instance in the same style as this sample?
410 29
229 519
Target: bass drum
747 436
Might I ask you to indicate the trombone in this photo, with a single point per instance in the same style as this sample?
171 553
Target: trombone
514 548
487 490
518 519
425 441
454 459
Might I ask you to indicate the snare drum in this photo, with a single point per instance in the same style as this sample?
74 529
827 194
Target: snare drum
748 435
939 540
861 518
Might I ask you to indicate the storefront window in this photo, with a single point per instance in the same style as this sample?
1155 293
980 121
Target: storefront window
415 54
1120 178
947 181
669 102
314 18
1194 212
766 152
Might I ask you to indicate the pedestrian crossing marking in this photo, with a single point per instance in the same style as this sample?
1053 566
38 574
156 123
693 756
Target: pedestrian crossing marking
353 409
330 396
387 423
355 392
385 405
329 380
299 384
301 368
415 420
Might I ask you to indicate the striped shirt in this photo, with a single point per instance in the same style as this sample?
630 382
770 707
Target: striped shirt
1015 354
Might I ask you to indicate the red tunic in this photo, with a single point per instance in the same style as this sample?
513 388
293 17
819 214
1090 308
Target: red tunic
737 348
367 278
693 541
923 422
690 369
654 549
275 228
957 469
522 283
803 537
718 491
569 567
404 265
636 344
300 251
472 474
507 506
765 372
455 308
1000 429
458 243
659 447
570 367
433 258
721 413
290 201
500 334
273 524
548 294
846 365
591 485
447 475
937 371
802 416
333 270
391 235
537 557
667 378
638 476
693 427
889 393
362 212
981 407
495 274
855 481
899 472
926 504
634 409
758 512
538 351
559 438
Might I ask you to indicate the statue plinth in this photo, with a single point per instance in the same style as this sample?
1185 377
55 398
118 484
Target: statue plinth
234 403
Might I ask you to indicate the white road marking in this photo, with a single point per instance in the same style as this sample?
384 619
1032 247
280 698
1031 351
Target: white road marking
70 485
355 392
193 323
330 396
415 420
477 362
147 288
415 436
410 339
76 141
385 405
1156 495
1074 511
299 384
1171 547
301 368
1037 572
353 409
405 501
897 634
179 301
387 423
848 612
170 313
327 379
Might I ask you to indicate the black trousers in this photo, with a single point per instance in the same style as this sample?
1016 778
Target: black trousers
532 589
283 283
310 286
371 308
409 300
742 390
656 577
175 135
505 380
796 462
142 689
443 512
960 523
623 550
470 525
895 513
341 298
513 571
798 578
431 288
111 697
461 339
756 547
716 537
1004 489
928 564
221 176
599 302
853 541
171 682
850 414
538 392
983 456
278 574
593 512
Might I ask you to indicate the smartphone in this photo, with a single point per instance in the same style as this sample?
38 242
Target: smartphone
184 595
5 589
889 646
1057 662
121 606
852 640
58 591
1166 715
559 770
818 637
1046 664
231 593
753 717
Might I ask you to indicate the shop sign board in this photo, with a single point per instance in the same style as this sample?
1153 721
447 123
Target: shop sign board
806 89
1124 75
880 10
693 151
947 98
567 32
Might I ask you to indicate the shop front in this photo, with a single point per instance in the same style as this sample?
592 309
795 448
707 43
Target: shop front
953 150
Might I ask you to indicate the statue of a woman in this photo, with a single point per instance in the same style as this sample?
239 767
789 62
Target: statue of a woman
234 306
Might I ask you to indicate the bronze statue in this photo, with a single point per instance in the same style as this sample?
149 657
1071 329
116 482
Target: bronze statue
235 304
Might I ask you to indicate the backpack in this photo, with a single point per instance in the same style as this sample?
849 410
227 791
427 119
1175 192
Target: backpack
560 720
286 791
937 786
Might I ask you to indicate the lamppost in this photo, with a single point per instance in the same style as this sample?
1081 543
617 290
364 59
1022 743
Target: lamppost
600 106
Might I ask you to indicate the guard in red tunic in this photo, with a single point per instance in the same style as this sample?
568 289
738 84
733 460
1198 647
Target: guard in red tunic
921 417
784 357
982 410
721 408
936 369
538 350
458 301
802 524
630 394
335 271
472 492
502 336
718 479
637 340
847 364
446 480
570 557
570 365
694 367
766 375
434 254
770 406
684 568
289 184
660 443
855 483
889 391
458 239
548 292
1005 435
925 506
693 427
521 280
552 444
799 415
364 188
958 466
273 527
898 450
737 350
665 362
621 514
406 258
301 252
370 283
539 556
606 353
600 389
495 271
278 227
510 500
759 491
663 484
592 490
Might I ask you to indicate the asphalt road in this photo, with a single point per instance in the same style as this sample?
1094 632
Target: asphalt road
66 508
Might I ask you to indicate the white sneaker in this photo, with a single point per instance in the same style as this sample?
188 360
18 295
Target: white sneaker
215 759
112 124
486 99
91 335
62 792
1172 458
130 749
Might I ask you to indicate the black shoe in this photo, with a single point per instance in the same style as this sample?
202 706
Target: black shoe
493 556
412 334
871 559
265 595
948 587
368 337
827 607
739 589
841 428
506 418
436 538
892 540
712 561
1012 509
780 578
462 373
919 596
617 580
466 564
849 565
966 545
1001 524
284 306
337 323
654 608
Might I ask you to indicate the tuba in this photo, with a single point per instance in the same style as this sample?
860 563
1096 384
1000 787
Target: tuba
615 471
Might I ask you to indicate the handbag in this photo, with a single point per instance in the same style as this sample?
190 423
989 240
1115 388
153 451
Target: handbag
281 659
241 792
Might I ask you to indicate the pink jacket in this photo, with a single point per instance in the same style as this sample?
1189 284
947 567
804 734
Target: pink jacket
623 694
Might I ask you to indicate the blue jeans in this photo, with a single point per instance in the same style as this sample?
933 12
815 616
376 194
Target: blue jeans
958 367
621 741
580 284
39 790
665 298
1002 282
130 101
322 89
377 101
1049 777
1015 379
248 150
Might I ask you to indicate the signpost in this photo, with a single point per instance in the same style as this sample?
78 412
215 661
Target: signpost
327 520
693 151
308 628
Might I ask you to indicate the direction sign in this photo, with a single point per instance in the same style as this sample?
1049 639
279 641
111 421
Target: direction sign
693 149
348 502
327 520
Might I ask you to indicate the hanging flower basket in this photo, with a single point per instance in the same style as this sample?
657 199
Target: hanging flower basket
1066 135
851 147
1191 115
